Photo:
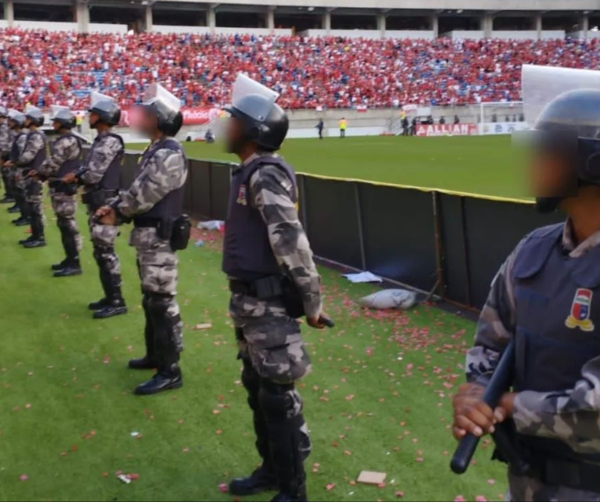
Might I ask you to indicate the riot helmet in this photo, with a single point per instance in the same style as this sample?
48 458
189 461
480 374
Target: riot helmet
105 108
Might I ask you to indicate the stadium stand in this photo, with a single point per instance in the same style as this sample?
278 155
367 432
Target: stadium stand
45 68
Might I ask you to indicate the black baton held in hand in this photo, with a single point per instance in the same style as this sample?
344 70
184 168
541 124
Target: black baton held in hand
499 384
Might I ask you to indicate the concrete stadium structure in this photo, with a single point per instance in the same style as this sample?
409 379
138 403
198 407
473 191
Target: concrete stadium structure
425 19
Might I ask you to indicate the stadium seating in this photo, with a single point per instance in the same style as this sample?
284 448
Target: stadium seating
46 68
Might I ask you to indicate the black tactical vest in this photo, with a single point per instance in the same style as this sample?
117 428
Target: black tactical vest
558 322
171 206
15 151
70 165
40 157
247 253
111 178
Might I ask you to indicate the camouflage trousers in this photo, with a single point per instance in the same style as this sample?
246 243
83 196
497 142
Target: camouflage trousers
157 266
274 358
271 339
65 208
528 489
33 197
103 241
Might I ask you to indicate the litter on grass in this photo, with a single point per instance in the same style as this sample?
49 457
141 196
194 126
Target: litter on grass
371 478
211 225
124 479
362 277
390 299
205 325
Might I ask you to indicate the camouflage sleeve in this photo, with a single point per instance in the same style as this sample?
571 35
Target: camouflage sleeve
495 328
572 415
167 171
270 194
4 138
99 159
33 144
64 149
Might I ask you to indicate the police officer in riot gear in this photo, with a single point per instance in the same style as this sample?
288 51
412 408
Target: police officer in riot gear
547 298
16 122
99 175
65 158
273 281
154 203
33 155
5 144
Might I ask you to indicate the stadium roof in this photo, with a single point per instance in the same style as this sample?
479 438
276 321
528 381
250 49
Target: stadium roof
389 5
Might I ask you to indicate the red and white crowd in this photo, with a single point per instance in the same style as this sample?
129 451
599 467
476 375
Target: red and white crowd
45 68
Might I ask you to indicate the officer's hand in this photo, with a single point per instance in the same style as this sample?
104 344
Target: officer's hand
505 409
8 163
319 322
32 174
106 215
69 178
471 414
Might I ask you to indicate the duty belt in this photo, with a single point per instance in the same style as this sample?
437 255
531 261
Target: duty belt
264 288
146 222
557 472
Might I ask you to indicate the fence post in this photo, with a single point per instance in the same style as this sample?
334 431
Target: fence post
439 245
361 237
465 246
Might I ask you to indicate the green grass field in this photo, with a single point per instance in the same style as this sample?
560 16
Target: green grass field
379 397
481 165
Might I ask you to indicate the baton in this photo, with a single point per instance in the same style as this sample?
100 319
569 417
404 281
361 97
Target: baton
499 383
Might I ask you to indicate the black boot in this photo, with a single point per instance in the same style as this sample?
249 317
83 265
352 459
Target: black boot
13 210
99 305
7 200
261 480
73 268
21 221
148 362
59 266
37 233
299 496
169 375
115 306
162 381
25 241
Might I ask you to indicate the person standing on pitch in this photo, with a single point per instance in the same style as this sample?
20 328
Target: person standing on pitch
33 155
16 122
5 144
65 158
343 125
320 126
546 297
273 281
99 175
155 204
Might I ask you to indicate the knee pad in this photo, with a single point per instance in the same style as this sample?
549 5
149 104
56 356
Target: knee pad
279 402
62 223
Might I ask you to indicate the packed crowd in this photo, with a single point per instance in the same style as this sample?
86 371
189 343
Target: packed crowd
46 68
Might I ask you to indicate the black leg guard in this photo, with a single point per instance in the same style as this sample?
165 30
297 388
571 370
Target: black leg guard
262 479
37 231
147 362
164 326
290 444
71 266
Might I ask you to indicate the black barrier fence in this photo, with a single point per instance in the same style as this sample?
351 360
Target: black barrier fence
449 243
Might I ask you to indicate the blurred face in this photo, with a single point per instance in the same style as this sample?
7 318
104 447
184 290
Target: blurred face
28 123
56 125
144 121
93 119
235 137
552 174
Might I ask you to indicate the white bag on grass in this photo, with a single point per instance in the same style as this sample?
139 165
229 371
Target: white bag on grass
390 299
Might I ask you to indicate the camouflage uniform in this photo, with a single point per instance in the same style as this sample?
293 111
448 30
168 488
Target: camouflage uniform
33 188
16 179
270 341
163 173
104 152
64 149
5 144
571 416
